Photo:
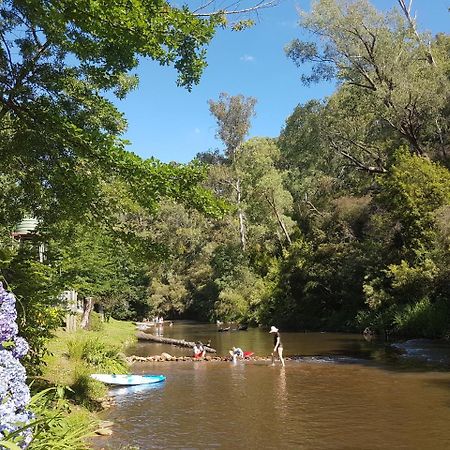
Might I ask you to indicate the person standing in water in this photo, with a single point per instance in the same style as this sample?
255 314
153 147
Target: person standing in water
277 345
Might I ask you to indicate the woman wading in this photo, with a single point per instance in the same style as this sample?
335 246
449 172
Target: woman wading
277 345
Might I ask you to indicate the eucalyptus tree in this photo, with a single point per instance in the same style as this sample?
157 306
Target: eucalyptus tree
386 78
268 204
314 171
233 115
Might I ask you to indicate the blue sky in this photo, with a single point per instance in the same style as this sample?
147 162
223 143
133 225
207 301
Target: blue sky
172 124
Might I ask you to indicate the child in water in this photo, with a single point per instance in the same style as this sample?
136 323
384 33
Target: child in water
236 352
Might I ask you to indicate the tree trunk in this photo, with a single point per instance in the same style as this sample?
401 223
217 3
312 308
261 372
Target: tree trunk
279 219
88 307
179 342
242 231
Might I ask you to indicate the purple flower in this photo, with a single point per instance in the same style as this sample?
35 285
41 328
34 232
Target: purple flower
14 393
8 329
20 348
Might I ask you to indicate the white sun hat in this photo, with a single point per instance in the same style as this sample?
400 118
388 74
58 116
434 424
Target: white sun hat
273 329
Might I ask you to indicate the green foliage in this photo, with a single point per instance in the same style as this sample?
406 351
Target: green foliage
414 190
423 318
85 391
233 115
97 354
384 65
95 322
36 287
60 140
239 296
58 425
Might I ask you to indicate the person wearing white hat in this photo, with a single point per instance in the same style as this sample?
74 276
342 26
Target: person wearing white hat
277 345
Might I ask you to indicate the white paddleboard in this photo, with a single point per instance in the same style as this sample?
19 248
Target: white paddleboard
127 380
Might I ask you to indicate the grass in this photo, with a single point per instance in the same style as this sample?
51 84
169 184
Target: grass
61 369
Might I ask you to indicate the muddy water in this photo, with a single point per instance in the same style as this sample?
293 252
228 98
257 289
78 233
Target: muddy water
340 393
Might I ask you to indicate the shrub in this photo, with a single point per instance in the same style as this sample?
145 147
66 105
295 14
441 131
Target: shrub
57 426
86 391
423 318
97 354
95 322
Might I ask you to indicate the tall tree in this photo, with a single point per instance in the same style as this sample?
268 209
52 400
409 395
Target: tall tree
383 67
233 115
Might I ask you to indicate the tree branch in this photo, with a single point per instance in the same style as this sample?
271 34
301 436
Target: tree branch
412 23
312 207
257 7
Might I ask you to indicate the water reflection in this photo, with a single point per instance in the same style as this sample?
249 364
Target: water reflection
133 390
281 398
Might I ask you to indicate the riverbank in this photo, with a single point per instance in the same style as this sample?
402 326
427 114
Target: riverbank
73 358
60 368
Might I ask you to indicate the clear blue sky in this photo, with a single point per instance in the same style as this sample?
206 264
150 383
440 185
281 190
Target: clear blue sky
172 124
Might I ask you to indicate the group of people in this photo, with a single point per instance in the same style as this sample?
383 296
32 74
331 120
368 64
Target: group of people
237 352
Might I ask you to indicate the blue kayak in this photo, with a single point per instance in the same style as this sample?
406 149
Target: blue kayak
127 380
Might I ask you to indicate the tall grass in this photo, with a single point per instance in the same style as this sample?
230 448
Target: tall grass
97 355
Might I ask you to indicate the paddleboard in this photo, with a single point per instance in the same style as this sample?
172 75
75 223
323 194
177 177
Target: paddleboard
127 380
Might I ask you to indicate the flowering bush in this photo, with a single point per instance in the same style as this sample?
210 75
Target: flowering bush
14 393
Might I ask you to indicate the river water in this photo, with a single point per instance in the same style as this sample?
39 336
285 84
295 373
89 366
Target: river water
339 392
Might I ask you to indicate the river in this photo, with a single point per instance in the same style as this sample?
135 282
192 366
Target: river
340 392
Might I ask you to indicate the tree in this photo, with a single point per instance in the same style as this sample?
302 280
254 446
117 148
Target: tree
314 170
383 69
59 133
267 202
233 114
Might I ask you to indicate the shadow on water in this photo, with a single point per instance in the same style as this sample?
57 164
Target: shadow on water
390 356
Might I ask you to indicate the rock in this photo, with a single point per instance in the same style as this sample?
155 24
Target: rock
395 348
166 356
104 432
106 424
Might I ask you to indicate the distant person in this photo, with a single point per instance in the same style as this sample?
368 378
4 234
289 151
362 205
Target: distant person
236 352
277 345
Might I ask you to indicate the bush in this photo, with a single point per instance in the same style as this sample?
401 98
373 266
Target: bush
423 318
86 391
95 322
56 426
97 354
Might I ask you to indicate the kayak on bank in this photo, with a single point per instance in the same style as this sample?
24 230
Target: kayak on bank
127 380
